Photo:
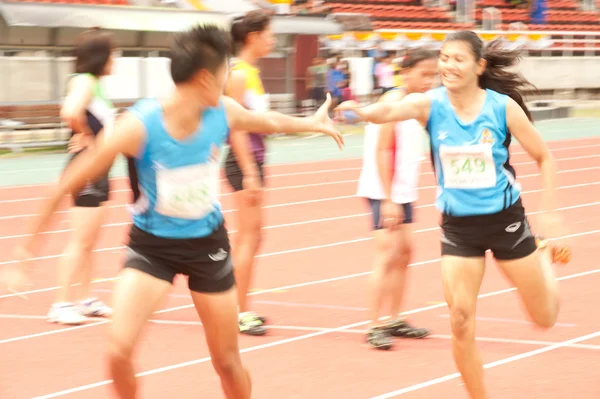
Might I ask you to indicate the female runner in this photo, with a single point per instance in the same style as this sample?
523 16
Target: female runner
471 120
86 111
176 145
253 39
389 178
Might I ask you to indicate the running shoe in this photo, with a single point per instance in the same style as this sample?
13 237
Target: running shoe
251 324
65 313
401 328
93 307
379 338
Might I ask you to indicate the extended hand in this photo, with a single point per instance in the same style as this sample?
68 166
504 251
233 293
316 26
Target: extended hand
324 124
392 215
252 189
79 142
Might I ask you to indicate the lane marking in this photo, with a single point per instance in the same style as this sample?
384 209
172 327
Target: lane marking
346 327
490 365
511 321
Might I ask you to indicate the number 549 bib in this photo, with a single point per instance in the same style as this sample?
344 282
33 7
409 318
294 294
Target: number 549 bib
468 167
188 192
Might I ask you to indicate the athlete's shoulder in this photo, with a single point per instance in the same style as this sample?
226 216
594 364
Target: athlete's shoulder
437 94
239 67
395 94
82 82
497 98
145 108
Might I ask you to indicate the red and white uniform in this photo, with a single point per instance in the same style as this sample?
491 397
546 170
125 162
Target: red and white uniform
409 140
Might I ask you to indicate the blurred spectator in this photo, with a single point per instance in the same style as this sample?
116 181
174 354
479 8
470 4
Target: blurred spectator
384 71
537 11
302 7
334 76
316 80
375 53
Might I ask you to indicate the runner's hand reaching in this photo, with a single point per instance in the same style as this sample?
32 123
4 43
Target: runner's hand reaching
252 188
324 124
392 215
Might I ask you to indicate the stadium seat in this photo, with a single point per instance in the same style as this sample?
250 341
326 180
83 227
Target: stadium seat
563 15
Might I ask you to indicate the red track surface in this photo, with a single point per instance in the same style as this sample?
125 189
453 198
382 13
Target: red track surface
311 284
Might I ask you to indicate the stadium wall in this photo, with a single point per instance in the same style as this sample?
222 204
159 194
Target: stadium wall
34 78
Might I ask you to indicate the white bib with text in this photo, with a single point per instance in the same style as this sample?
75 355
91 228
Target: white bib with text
188 192
468 167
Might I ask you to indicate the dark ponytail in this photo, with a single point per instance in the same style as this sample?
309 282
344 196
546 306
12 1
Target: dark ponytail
496 76
242 26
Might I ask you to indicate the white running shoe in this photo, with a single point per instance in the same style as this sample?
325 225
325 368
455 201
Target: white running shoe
93 307
65 313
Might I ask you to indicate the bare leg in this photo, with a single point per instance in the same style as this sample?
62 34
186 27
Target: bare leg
75 266
534 278
136 296
247 243
218 313
379 285
462 279
86 224
397 274
87 269
248 240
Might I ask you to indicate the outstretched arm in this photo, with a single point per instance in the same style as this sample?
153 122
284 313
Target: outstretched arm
274 122
413 106
126 139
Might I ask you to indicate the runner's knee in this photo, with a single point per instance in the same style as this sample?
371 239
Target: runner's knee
461 322
226 361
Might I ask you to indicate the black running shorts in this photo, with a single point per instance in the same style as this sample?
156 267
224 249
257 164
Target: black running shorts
94 193
234 173
206 261
506 234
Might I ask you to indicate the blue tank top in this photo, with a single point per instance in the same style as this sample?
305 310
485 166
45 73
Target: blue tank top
179 181
471 160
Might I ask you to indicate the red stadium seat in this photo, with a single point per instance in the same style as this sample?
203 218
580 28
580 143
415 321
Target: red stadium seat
563 15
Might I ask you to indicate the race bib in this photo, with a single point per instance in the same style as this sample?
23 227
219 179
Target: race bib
468 167
189 192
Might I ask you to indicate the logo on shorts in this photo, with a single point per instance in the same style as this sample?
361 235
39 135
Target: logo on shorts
513 227
219 256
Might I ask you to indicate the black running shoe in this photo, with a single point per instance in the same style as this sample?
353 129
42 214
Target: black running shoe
379 338
251 324
400 328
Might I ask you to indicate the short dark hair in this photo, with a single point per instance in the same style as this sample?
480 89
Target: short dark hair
92 51
241 27
201 47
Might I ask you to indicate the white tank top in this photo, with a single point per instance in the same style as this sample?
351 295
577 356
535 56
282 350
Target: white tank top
410 147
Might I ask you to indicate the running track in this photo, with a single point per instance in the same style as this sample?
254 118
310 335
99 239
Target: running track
311 281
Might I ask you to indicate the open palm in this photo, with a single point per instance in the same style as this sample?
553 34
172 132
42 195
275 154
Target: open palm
324 124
